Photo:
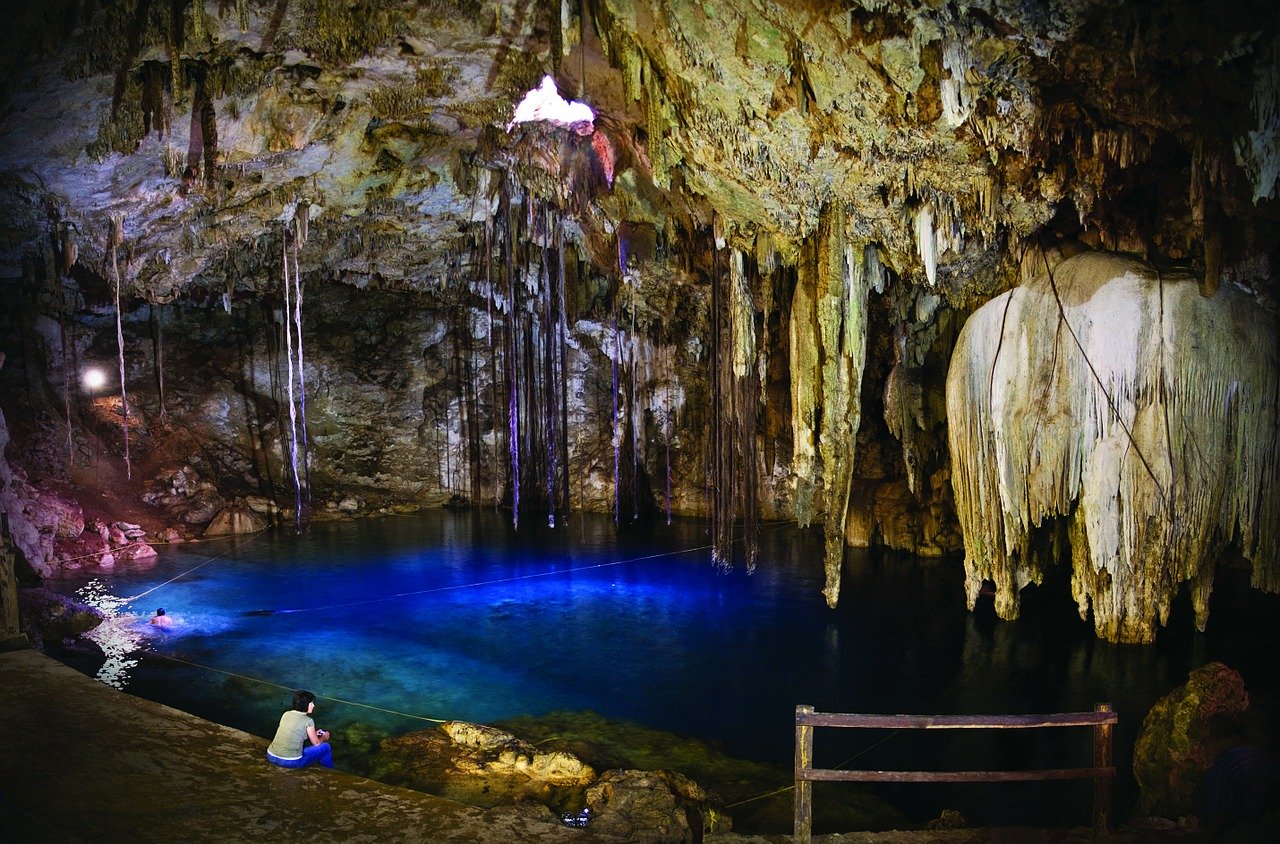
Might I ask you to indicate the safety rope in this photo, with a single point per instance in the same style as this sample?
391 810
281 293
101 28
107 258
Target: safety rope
291 688
481 583
154 544
247 540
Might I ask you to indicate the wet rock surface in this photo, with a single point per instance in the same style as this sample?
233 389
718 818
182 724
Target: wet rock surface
1174 750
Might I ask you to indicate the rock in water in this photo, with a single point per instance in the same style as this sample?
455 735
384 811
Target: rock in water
1173 750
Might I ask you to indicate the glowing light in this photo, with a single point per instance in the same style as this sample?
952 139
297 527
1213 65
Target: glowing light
94 379
544 103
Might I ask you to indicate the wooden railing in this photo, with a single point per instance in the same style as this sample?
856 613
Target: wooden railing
1102 720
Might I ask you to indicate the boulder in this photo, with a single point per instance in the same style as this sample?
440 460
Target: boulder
236 519
484 766
652 807
139 553
48 618
88 551
1174 747
62 514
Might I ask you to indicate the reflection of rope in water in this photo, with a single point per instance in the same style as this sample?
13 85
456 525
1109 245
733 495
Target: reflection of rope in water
290 689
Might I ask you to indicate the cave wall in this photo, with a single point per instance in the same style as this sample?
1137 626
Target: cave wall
733 294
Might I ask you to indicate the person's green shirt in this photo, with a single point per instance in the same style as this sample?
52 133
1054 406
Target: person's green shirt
291 736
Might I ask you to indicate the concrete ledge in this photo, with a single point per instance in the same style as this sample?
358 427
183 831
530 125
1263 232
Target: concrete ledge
80 761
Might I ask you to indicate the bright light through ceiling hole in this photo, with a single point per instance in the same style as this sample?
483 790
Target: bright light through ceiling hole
544 103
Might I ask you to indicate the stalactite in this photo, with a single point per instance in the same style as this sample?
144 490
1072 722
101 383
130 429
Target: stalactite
115 241
66 379
744 393
617 434
512 361
242 14
133 42
199 31
562 376
843 284
926 242
491 294
157 356
734 406
633 402
550 398
273 25
806 382
1059 398
668 377
196 142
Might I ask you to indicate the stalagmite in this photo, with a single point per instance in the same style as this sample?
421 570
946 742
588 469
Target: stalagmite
1142 414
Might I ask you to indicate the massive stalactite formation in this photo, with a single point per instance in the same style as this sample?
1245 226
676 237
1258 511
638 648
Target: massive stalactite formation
1116 399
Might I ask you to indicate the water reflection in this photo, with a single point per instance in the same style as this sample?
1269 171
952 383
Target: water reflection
453 615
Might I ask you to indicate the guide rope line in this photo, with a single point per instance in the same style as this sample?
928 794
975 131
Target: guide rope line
291 688
943 695
779 526
248 539
153 544
479 583
839 765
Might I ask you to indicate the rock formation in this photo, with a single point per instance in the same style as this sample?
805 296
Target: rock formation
323 272
1173 751
1117 399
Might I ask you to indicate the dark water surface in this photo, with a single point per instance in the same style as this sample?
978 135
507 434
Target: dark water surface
453 616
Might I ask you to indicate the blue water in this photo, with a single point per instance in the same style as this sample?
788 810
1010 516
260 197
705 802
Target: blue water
448 615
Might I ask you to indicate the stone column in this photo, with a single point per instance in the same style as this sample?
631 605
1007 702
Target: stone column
11 637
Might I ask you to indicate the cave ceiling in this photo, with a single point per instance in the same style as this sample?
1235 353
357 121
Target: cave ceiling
755 170
956 134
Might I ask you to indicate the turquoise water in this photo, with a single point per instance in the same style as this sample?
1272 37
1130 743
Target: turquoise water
448 615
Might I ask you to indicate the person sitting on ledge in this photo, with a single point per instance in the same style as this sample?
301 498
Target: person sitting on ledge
289 749
161 620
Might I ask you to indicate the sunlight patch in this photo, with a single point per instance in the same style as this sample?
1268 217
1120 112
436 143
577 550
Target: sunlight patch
545 104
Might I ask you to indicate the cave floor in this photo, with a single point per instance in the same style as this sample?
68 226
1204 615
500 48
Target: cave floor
81 761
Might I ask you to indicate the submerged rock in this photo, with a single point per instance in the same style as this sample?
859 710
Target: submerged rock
48 618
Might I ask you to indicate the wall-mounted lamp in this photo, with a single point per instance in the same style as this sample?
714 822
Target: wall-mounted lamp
93 378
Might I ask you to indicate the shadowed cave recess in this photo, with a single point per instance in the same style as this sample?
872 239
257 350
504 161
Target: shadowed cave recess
984 281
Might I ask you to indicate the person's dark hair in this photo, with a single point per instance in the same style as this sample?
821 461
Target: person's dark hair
303 699
160 611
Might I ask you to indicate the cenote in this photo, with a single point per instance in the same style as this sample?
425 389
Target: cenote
452 615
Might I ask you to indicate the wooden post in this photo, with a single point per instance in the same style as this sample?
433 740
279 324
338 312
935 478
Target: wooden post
11 635
804 788
1102 784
